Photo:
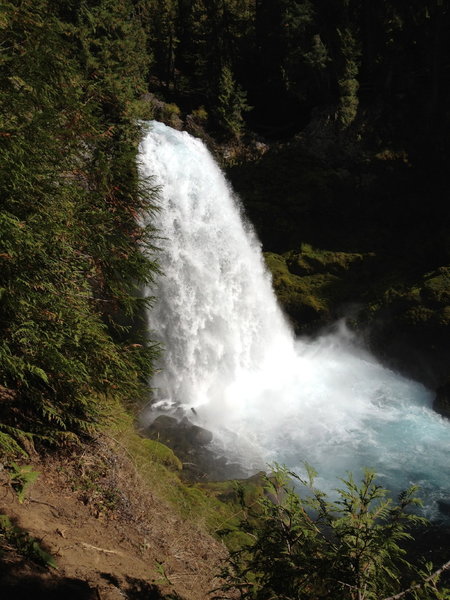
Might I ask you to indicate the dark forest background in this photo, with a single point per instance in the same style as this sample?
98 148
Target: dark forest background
293 60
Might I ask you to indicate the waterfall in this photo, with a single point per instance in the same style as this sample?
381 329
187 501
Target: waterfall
231 356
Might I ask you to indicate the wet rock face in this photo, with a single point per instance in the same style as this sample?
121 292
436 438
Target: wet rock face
315 287
442 403
191 445
181 433
410 330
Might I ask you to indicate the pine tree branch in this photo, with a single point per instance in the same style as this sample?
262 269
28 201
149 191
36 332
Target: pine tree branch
419 585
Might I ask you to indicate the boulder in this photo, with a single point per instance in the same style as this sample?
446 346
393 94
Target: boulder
190 443
167 429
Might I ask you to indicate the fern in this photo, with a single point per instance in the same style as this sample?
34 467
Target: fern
72 232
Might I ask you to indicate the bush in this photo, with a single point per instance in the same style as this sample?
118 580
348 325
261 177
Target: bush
308 547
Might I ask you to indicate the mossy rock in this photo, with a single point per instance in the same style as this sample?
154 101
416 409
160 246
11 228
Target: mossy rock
410 326
312 284
162 454
417 315
190 443
182 433
304 299
151 107
310 261
425 303
436 288
442 316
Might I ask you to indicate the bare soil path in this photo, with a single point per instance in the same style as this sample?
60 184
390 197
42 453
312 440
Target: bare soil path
111 538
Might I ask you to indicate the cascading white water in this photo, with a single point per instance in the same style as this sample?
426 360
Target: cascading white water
230 354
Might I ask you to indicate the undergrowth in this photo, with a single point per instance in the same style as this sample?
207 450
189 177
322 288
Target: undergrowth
71 236
22 478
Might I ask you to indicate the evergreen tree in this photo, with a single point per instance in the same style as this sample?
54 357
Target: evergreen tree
231 103
305 547
160 24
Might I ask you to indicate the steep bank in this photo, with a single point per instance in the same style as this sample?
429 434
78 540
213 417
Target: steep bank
104 517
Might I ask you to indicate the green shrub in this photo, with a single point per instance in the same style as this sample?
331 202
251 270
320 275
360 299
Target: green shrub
200 114
304 546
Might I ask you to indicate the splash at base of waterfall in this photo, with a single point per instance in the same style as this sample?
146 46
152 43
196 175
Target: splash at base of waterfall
230 355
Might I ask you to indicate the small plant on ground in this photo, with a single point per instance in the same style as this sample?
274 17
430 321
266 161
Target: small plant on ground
303 546
22 478
160 569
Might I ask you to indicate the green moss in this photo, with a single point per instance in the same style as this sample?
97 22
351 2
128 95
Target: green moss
312 283
419 306
162 454
418 315
443 316
436 288
156 463
214 506
303 298
309 261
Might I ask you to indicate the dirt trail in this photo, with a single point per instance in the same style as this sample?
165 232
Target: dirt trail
136 548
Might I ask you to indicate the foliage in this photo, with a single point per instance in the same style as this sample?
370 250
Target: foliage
308 546
161 571
231 103
22 478
71 256
295 59
23 543
348 82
